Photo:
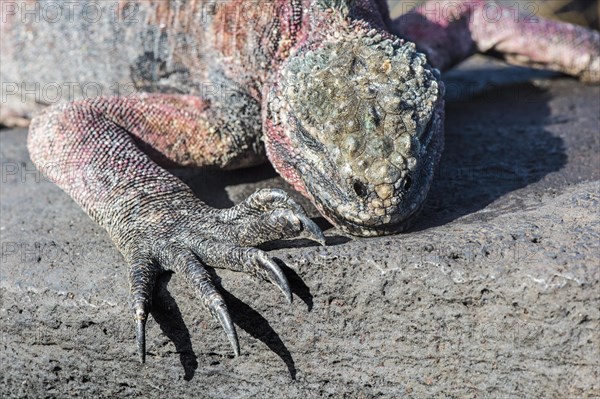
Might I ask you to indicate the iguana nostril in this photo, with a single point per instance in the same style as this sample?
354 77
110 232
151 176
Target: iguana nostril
360 189
407 183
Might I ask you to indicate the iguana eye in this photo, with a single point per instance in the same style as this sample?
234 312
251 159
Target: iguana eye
360 189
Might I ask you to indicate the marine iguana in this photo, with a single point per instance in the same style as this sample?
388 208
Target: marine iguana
345 102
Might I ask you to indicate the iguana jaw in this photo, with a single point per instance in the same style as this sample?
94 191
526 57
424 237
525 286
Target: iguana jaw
356 124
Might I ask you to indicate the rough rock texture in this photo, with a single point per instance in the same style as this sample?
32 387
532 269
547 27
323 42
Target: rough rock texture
494 293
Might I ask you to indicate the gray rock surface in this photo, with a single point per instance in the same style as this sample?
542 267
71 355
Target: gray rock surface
494 293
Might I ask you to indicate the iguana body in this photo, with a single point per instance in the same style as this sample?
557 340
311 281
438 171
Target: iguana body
329 91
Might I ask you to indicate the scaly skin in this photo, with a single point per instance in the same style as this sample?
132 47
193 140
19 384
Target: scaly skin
349 112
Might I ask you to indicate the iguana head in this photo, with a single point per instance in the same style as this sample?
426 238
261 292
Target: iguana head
356 124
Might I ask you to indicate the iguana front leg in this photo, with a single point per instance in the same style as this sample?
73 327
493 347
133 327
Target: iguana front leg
93 150
450 31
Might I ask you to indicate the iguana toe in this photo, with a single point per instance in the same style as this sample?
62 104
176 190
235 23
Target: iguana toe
268 215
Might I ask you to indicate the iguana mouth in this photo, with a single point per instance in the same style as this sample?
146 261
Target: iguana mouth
364 230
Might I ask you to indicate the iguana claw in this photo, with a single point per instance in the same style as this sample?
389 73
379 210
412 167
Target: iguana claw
140 338
219 310
311 231
275 275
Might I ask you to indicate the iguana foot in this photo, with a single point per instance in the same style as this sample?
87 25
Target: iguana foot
219 239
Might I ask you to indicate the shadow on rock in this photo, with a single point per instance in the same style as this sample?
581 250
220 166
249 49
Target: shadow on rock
257 326
495 144
297 285
168 316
